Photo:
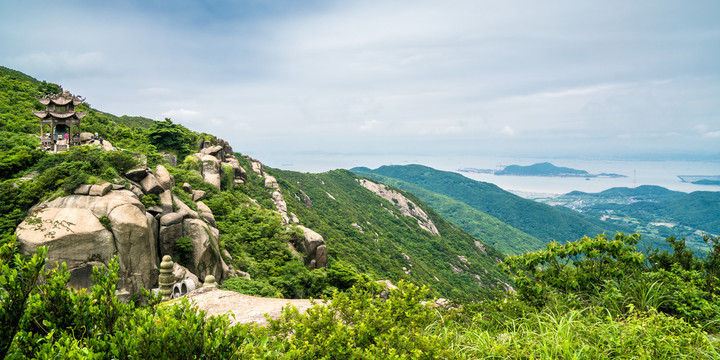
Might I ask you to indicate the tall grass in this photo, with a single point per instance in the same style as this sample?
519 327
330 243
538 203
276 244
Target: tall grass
590 333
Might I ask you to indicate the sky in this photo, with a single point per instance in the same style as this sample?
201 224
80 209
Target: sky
286 79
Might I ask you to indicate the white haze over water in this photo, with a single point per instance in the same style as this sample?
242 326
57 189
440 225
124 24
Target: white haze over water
661 173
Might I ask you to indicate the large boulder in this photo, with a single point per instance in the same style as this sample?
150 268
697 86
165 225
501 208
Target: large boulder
167 237
206 213
238 171
211 170
71 228
136 174
163 177
150 185
206 257
86 137
100 189
73 236
216 151
166 201
313 245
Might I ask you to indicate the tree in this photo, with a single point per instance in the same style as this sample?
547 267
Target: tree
166 135
18 275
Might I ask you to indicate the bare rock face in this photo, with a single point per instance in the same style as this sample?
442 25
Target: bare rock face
70 226
206 259
150 185
206 213
405 205
136 174
163 177
211 170
313 245
100 189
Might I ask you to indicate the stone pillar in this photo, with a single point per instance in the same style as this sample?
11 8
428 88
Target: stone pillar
166 279
209 281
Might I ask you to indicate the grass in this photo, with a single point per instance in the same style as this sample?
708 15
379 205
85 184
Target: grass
589 333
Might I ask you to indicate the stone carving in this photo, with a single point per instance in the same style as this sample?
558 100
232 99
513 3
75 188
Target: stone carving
166 278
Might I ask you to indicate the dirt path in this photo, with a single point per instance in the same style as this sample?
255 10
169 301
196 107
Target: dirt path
247 309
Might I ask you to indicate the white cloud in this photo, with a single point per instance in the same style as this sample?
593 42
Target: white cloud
182 115
507 131
335 76
369 125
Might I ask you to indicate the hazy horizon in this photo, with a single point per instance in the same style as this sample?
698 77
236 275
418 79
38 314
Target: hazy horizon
608 79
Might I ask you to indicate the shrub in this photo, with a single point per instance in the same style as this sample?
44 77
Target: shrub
251 287
184 250
581 267
150 200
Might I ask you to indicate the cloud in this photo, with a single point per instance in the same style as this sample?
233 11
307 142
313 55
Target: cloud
712 134
182 115
335 76
507 131
369 125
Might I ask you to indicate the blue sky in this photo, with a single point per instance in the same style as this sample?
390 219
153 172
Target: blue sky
457 77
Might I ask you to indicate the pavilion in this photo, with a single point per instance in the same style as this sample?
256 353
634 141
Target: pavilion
62 119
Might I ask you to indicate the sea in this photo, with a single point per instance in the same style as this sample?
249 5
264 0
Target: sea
636 172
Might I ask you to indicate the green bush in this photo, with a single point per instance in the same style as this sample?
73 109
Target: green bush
251 287
581 267
184 250
150 200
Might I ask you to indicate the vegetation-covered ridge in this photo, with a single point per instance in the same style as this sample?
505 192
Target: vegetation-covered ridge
652 211
540 221
371 235
592 299
482 226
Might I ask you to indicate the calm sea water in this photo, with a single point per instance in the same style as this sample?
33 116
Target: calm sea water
662 173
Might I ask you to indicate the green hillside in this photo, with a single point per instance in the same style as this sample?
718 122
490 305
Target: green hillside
369 233
596 298
253 235
488 229
539 220
653 211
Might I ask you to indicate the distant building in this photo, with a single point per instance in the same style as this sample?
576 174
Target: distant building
58 119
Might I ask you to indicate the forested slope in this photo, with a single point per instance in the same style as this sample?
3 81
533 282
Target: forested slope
539 220
485 227
370 234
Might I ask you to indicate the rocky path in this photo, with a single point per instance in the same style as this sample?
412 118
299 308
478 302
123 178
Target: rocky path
247 309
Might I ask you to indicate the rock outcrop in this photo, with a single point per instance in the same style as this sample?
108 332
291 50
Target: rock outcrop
101 221
405 205
84 230
313 244
214 161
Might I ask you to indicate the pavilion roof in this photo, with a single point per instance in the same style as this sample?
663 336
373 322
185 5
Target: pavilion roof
63 98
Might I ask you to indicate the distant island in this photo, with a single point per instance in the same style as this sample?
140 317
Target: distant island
701 179
541 169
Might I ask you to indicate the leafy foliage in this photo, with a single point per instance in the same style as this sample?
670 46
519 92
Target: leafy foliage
369 233
539 220
166 135
184 250
17 278
579 267
482 226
